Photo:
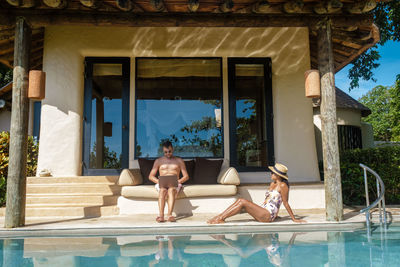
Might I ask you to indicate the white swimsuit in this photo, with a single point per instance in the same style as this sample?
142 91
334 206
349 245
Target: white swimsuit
272 202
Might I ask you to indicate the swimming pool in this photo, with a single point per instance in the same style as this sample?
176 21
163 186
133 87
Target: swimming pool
318 248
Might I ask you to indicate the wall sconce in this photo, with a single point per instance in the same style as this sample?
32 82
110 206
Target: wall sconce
37 82
312 84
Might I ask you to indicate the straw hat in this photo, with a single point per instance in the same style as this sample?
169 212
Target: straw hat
279 169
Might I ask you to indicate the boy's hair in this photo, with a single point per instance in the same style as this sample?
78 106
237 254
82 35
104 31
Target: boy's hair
167 144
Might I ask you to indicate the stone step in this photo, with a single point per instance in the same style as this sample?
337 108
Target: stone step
76 212
73 189
109 180
70 199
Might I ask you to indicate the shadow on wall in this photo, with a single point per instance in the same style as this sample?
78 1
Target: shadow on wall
283 45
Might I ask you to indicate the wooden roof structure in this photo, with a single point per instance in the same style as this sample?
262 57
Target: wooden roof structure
353 29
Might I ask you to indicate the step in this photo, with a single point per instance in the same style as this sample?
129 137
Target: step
70 199
109 180
82 212
74 189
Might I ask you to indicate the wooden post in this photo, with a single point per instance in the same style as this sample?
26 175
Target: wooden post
16 181
330 149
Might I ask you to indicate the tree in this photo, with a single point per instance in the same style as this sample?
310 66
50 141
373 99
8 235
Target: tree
384 103
5 75
387 18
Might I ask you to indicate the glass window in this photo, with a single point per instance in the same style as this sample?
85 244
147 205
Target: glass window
250 115
349 137
106 126
250 100
179 99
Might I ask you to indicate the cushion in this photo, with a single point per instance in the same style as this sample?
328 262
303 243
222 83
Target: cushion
228 176
206 171
130 177
148 191
190 169
145 168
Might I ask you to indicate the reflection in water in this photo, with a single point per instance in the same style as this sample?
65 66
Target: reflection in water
263 249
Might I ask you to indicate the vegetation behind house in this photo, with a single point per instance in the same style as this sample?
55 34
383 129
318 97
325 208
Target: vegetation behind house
384 160
31 164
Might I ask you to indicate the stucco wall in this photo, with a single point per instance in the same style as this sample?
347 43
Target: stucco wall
344 117
5 119
66 47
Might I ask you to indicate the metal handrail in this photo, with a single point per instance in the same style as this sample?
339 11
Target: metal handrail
381 196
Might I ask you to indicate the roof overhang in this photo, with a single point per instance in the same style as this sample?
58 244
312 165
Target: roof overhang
353 31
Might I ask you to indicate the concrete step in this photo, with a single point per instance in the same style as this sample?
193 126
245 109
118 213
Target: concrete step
73 189
87 200
108 180
76 212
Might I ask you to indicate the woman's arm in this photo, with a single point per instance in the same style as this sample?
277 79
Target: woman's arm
285 199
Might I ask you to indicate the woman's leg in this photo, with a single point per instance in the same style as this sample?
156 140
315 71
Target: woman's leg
258 213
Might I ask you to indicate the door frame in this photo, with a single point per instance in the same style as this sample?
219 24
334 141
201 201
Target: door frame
269 116
87 114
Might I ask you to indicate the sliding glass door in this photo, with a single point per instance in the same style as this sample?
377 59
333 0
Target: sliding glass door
250 113
106 116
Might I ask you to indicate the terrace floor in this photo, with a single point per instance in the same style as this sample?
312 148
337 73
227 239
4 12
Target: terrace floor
145 224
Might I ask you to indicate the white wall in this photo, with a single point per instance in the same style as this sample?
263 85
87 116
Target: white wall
66 47
5 120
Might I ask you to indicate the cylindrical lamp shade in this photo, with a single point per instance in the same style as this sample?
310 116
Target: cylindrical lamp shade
313 85
37 81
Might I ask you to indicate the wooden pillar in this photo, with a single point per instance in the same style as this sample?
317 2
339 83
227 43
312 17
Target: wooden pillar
330 149
16 181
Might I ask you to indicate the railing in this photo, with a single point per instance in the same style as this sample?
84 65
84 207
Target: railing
380 201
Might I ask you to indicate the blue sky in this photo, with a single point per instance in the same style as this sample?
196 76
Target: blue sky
385 73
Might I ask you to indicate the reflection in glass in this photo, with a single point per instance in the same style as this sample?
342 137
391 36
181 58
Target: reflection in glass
106 126
179 100
251 132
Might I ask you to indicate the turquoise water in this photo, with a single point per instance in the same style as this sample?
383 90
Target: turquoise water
261 249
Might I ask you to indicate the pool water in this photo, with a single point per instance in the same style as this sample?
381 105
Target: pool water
317 248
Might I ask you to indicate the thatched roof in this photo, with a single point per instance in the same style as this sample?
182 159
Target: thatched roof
353 31
345 101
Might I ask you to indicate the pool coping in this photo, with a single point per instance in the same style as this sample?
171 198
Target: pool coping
179 230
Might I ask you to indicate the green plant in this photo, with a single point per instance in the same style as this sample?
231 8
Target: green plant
384 160
31 163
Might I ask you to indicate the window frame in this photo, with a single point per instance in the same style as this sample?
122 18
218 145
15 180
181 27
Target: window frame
266 61
221 98
87 112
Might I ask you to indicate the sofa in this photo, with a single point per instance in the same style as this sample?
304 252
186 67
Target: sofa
138 198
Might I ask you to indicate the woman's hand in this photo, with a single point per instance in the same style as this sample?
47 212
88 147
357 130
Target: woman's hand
299 221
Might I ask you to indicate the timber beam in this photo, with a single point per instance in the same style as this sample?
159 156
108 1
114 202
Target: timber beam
226 6
43 18
158 5
219 6
59 4
193 5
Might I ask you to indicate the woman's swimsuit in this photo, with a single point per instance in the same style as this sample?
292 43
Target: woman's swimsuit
272 202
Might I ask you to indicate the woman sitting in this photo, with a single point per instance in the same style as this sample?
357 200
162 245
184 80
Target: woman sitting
267 212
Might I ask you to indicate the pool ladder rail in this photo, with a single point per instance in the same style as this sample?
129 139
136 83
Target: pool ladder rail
380 201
